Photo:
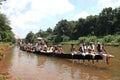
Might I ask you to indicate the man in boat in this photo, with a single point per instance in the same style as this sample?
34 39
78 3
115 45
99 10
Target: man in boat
83 49
55 49
50 49
91 48
43 47
100 48
38 47
101 51
60 49
73 49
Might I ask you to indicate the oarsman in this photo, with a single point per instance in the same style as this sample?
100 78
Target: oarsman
38 47
73 49
91 47
55 49
50 49
101 51
83 48
60 49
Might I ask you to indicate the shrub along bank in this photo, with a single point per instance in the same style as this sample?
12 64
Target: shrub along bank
113 40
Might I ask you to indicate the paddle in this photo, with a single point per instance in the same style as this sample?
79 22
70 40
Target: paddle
107 56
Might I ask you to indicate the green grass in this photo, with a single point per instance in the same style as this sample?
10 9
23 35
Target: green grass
3 78
5 43
71 42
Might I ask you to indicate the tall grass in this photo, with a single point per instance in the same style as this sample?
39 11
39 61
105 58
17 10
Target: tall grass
107 40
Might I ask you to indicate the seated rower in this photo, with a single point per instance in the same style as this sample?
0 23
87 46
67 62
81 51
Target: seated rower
50 49
43 47
38 47
101 51
55 49
60 49
83 49
73 49
91 48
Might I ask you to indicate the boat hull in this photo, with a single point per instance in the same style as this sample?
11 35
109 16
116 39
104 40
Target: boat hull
70 56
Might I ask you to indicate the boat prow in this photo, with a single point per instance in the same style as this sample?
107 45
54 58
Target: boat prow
111 56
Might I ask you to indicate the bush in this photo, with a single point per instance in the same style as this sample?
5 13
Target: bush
100 40
117 39
65 38
83 39
70 42
108 38
87 39
92 39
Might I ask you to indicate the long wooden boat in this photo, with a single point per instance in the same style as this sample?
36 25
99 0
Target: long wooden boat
67 56
71 56
88 57
79 56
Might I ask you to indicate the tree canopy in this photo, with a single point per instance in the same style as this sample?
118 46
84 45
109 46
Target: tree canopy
106 23
30 38
6 34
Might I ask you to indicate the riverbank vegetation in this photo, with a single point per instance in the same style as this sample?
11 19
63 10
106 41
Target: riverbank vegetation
113 40
7 76
104 27
6 34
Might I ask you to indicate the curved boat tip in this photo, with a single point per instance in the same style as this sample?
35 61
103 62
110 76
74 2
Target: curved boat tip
111 56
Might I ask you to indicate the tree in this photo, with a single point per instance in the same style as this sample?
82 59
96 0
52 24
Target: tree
30 38
6 33
41 33
79 29
116 21
49 31
63 27
105 21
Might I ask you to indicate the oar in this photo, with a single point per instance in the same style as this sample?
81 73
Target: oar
107 57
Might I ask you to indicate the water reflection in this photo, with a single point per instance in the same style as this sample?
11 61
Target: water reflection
30 66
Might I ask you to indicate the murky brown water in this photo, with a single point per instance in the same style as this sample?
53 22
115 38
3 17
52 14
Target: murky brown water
30 66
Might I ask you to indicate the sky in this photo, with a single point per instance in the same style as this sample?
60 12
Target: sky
33 15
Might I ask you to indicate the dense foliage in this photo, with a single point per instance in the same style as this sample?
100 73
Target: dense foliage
108 40
107 23
6 34
30 38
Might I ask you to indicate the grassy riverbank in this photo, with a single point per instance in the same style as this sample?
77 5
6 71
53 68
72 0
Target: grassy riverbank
6 43
7 76
112 40
4 48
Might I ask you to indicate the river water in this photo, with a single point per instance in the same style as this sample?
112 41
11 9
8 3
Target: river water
29 66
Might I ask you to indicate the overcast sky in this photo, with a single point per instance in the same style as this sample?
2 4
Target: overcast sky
33 15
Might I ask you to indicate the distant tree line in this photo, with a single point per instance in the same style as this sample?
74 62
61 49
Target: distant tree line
6 34
106 23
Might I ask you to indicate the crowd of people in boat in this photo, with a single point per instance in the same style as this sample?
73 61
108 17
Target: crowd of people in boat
88 49
83 49
41 46
93 50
